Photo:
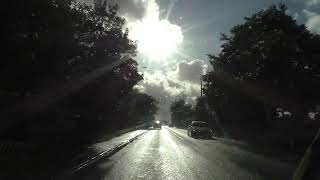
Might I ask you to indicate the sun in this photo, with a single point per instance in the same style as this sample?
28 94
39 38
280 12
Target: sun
157 39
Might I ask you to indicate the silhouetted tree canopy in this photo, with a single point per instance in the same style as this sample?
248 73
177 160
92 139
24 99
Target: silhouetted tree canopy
53 44
267 63
200 110
181 113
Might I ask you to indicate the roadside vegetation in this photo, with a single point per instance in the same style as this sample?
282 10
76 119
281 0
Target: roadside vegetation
68 79
264 86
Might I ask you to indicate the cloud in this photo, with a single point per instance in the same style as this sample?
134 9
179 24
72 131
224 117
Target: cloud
313 21
166 86
157 37
134 10
174 84
191 71
131 9
142 16
312 15
312 2
147 27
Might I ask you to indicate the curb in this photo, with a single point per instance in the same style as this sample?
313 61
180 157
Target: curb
99 156
221 139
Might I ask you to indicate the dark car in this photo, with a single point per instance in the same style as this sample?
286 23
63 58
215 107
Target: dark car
199 129
157 125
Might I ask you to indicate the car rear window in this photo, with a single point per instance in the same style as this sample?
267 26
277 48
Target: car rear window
200 124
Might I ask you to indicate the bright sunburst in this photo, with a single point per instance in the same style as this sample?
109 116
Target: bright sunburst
156 38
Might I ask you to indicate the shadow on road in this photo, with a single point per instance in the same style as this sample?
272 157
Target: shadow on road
264 150
259 166
93 172
204 138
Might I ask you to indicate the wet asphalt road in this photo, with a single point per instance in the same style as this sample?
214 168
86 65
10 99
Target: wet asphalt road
171 154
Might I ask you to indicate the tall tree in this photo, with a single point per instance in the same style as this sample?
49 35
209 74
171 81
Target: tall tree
201 111
181 113
136 108
62 45
267 62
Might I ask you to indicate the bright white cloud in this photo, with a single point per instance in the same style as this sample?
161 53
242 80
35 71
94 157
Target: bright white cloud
167 85
157 38
172 84
313 21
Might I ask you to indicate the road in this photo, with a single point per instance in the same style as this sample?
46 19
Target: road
171 154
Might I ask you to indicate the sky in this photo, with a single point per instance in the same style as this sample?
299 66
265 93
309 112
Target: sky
175 36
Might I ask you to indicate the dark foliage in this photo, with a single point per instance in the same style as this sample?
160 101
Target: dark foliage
69 73
266 78
181 113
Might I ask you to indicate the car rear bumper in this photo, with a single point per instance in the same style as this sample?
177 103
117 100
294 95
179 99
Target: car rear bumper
201 133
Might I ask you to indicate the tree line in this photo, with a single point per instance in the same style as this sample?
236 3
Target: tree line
265 82
75 63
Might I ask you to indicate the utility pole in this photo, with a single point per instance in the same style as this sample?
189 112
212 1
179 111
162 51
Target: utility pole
201 86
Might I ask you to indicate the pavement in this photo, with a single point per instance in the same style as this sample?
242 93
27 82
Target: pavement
170 153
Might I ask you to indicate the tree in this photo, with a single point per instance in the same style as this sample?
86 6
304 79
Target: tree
68 79
52 41
267 62
200 110
181 113
38 34
136 108
56 44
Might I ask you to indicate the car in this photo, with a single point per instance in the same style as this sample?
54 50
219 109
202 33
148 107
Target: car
157 125
199 129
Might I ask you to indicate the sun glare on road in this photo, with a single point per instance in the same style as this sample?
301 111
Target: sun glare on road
157 39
